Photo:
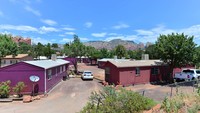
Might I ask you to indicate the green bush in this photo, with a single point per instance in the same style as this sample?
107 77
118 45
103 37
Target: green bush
5 89
194 109
117 101
19 88
182 103
198 91
174 104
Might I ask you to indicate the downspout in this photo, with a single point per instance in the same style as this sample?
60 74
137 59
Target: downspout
45 82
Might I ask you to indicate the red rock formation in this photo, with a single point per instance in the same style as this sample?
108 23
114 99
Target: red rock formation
18 39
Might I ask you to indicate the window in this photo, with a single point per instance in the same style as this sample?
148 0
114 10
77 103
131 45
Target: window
60 69
107 70
56 71
63 68
188 71
137 71
198 71
11 62
107 73
49 75
154 71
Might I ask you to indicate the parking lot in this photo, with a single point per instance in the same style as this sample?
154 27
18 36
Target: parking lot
98 73
67 97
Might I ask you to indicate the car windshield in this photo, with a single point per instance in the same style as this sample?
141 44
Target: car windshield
188 71
198 71
87 72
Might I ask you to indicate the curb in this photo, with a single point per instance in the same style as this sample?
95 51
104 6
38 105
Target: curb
98 79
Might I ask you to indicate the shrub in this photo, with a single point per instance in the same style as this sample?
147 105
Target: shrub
5 89
117 101
181 103
19 88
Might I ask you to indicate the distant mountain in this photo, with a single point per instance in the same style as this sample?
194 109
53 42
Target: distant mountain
130 45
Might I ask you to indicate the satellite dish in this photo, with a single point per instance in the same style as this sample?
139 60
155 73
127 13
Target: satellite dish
34 78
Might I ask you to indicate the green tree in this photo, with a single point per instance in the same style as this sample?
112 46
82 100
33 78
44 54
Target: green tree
48 51
111 53
135 54
7 46
24 48
120 51
75 49
54 45
104 53
196 57
176 50
151 50
39 50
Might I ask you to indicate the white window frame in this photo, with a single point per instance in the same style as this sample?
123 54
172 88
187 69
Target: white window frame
61 69
49 74
56 71
64 68
137 71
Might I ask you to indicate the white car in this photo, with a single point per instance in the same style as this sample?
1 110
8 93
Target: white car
87 75
188 74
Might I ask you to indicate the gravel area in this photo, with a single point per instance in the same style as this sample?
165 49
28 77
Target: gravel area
67 97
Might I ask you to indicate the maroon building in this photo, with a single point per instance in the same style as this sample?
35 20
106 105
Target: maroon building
102 62
136 72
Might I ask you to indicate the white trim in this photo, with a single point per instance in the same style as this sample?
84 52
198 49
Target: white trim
45 82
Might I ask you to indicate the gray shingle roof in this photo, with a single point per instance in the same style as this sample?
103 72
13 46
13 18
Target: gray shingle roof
111 59
46 64
136 63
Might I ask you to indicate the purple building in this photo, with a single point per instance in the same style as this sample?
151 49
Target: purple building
50 72
71 60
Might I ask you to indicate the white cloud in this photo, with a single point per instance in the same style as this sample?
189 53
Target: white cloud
84 39
88 24
6 32
66 40
1 14
49 22
69 28
121 26
18 28
151 35
123 37
144 32
61 35
99 34
45 29
41 30
35 12
69 33
41 40
112 34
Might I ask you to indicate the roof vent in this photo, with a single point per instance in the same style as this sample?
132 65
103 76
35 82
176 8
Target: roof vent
53 57
145 56
115 57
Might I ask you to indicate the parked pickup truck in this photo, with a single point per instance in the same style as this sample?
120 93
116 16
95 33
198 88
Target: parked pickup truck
187 74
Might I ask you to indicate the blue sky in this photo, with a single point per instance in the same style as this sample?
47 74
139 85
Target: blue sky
55 21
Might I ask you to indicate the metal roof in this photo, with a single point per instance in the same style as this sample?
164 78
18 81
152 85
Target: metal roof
19 56
46 64
136 63
111 59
